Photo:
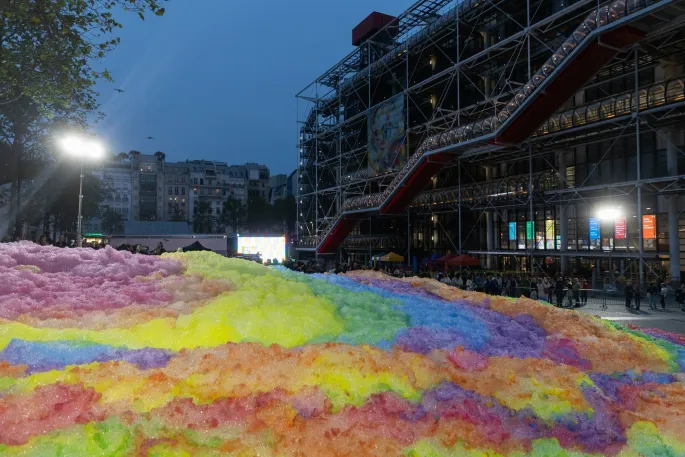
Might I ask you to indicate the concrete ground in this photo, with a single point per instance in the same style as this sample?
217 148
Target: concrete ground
671 319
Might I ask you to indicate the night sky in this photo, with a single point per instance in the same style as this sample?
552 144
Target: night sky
216 79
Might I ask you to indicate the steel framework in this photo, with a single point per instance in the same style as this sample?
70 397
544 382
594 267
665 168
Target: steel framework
458 63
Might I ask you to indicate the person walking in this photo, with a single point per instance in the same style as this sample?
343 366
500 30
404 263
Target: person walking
629 295
652 294
662 295
679 297
559 291
549 289
542 291
636 295
583 292
576 292
525 287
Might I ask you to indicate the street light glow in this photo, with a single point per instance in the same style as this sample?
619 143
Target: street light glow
610 213
83 147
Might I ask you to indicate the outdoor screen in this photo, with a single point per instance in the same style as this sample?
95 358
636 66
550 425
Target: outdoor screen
268 247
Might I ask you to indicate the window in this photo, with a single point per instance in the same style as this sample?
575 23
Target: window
202 182
183 190
175 190
169 191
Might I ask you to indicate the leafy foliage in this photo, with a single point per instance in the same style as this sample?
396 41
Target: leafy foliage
54 201
177 216
202 219
112 222
51 55
233 214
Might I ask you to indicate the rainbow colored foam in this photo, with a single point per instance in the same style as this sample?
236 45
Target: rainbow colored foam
104 353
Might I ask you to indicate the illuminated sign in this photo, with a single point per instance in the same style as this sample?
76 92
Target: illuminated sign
267 247
512 231
549 233
649 227
620 228
530 230
594 228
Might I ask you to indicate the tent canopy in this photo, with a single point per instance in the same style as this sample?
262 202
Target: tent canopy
444 259
377 258
392 257
463 260
196 246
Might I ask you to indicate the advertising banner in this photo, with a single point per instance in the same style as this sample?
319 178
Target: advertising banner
386 137
530 230
594 228
649 227
620 228
512 231
549 233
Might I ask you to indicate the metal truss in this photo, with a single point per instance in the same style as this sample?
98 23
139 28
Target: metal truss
454 63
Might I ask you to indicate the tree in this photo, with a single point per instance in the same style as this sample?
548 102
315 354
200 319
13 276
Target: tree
233 214
177 215
112 222
50 52
202 219
260 214
55 200
285 211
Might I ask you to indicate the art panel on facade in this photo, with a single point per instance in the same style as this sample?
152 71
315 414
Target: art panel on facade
387 149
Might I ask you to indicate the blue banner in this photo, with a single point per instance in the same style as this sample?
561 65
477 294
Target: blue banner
594 228
512 231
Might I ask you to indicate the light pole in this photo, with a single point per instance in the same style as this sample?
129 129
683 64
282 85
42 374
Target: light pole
82 147
610 214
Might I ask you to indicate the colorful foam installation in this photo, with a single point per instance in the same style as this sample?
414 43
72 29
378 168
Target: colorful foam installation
106 353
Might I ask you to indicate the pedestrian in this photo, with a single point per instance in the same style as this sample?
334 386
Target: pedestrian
559 291
682 294
542 289
583 292
636 294
629 295
549 289
652 294
159 250
43 240
576 291
61 242
663 293
525 286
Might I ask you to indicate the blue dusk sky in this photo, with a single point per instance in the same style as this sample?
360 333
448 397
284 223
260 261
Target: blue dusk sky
216 79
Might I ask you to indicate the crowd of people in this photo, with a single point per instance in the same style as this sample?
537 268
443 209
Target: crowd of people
654 294
102 243
562 291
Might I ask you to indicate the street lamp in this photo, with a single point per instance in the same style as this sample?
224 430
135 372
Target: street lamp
82 147
611 214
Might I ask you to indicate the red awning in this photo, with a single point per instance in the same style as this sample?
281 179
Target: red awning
444 259
463 260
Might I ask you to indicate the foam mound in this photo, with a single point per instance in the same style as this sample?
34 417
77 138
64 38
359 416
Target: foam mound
104 353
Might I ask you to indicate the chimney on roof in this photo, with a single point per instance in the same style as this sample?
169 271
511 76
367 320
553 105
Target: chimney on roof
373 23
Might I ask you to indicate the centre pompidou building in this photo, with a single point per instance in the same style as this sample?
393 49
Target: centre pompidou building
535 135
